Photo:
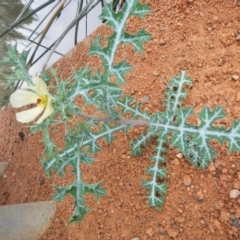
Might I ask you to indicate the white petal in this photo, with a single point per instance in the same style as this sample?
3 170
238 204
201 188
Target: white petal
37 81
29 115
48 111
39 87
22 98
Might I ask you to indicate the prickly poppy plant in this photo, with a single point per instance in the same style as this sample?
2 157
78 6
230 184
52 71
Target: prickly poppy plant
97 89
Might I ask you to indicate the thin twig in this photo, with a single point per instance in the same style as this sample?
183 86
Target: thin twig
44 32
80 4
71 25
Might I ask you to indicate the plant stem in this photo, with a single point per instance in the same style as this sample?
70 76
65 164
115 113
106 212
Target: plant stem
121 121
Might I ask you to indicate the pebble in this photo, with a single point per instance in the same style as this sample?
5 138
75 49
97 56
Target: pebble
238 175
155 102
187 180
172 232
217 224
156 74
149 232
235 77
176 161
200 195
212 167
235 223
179 155
180 219
224 215
219 204
135 238
162 42
236 185
145 99
237 213
224 170
235 229
4 176
179 210
234 193
238 97
211 228
42 181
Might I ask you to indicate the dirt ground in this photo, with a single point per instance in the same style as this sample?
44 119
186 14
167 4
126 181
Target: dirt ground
202 37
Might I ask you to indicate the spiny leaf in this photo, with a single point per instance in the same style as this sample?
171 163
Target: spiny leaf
121 69
94 189
157 190
130 8
117 21
137 146
79 214
140 10
175 93
135 109
20 68
137 39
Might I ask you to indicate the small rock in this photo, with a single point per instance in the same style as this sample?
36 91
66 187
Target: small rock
217 224
145 99
237 214
176 161
187 180
235 229
4 176
235 77
234 193
200 195
211 228
149 232
224 215
162 42
238 97
238 175
42 181
172 232
155 102
211 167
219 204
179 210
224 170
135 238
21 135
156 74
179 155
236 185
235 223
180 219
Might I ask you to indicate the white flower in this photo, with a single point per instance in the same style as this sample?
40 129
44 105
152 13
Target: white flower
37 94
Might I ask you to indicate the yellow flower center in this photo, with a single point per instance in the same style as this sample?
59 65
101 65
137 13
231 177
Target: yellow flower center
42 100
